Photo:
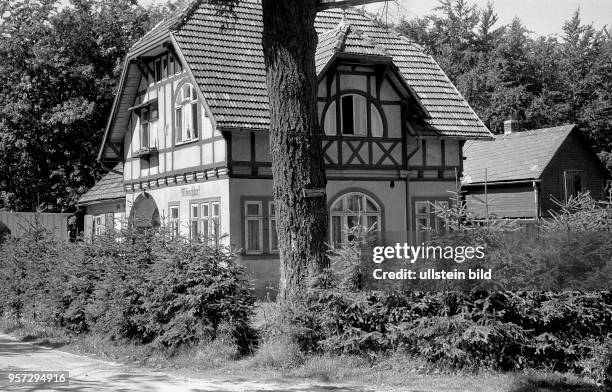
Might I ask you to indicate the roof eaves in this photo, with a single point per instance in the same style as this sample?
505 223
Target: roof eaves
111 118
99 201
502 182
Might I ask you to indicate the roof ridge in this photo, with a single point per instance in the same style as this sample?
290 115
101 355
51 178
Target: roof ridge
530 132
185 14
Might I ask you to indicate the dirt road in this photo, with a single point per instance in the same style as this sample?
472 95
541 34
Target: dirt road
93 375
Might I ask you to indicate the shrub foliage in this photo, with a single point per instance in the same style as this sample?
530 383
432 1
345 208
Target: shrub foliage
141 286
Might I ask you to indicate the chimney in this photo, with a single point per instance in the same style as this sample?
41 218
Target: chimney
512 126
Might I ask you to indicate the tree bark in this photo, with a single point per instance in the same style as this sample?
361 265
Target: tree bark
289 45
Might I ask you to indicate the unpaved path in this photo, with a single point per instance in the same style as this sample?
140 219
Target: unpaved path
93 375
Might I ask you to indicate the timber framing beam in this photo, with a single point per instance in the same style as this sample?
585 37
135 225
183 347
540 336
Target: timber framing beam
323 5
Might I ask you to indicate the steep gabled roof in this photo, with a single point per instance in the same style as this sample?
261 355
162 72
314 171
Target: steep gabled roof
225 57
517 156
110 187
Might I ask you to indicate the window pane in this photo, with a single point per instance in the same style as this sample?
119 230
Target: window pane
174 212
338 205
215 209
144 135
272 209
158 70
347 115
216 227
353 203
273 235
178 116
204 227
165 67
252 209
194 119
194 230
154 112
372 220
352 221
187 122
144 114
253 235
422 207
204 210
370 206
422 224
336 230
194 210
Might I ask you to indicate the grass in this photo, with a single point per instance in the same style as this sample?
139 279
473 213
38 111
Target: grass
279 359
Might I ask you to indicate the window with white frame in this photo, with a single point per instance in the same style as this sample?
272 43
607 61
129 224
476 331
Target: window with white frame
148 125
273 234
215 219
204 220
174 221
186 114
99 225
253 227
353 117
427 218
350 210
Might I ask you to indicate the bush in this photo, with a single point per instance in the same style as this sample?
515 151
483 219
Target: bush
497 330
141 286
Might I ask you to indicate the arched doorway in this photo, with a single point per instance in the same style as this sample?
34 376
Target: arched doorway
144 212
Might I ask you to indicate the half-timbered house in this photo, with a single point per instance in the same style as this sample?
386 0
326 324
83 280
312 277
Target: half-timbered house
190 122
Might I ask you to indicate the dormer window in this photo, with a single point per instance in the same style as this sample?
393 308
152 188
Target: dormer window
149 115
353 118
186 114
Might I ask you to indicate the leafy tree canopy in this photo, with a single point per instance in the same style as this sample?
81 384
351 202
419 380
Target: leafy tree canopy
60 68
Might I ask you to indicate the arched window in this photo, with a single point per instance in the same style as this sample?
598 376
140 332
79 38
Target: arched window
186 114
353 117
352 209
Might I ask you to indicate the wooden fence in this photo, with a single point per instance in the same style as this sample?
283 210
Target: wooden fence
17 223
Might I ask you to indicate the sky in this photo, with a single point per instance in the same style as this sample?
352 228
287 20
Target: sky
543 17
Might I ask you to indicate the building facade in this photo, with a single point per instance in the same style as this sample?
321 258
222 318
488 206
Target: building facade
189 127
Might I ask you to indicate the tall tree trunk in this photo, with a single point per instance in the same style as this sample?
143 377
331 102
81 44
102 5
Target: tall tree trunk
289 45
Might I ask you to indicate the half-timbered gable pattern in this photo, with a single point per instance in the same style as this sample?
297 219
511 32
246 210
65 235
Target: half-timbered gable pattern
191 117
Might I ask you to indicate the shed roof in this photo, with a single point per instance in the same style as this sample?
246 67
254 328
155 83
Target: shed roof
110 187
517 156
225 56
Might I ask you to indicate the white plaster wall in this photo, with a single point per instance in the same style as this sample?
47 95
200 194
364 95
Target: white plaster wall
171 194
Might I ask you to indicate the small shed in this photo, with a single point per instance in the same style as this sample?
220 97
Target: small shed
518 174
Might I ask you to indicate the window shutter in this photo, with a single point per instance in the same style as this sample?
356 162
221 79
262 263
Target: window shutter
360 115
88 228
